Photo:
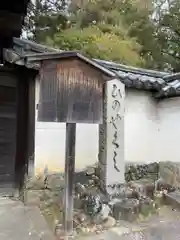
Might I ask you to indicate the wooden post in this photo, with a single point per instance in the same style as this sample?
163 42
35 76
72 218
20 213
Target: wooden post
69 178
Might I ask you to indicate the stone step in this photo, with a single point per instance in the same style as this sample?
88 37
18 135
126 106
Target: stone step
127 209
144 187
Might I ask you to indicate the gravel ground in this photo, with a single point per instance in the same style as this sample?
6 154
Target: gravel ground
165 226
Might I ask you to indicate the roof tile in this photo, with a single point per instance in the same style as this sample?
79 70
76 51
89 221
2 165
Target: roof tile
164 83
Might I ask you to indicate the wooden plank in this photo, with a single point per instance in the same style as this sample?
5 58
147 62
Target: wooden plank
7 138
10 22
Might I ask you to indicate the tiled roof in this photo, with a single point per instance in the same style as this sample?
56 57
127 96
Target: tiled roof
24 46
171 89
163 83
137 77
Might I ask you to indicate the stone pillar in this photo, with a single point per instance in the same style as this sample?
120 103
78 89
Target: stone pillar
111 138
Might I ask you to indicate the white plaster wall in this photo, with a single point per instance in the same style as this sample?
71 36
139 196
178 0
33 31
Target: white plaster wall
140 136
141 126
169 132
50 145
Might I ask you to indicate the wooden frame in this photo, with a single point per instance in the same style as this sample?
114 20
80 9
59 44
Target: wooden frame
25 125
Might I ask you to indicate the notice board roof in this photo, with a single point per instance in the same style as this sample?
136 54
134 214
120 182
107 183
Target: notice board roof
67 55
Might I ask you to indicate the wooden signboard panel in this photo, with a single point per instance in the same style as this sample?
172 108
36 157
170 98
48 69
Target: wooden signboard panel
70 91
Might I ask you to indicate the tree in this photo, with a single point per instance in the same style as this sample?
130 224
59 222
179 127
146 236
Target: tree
117 15
45 18
168 34
142 27
119 27
136 32
97 34
94 43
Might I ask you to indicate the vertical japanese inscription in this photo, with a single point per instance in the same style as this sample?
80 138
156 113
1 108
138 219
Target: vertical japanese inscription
116 107
111 138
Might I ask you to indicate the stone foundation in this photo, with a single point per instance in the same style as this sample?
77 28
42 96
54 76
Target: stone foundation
169 172
55 182
43 188
92 207
137 171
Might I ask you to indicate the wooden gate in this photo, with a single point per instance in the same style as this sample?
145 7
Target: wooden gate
7 136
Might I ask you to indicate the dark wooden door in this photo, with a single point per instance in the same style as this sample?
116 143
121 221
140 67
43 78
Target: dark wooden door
7 138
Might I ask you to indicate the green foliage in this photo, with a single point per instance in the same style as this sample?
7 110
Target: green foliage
94 43
135 32
125 18
168 35
45 19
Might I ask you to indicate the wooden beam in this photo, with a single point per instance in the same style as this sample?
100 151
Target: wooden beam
17 6
10 22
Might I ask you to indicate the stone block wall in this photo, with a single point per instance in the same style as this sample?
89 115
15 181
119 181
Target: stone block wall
139 171
43 188
136 171
169 172
56 181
